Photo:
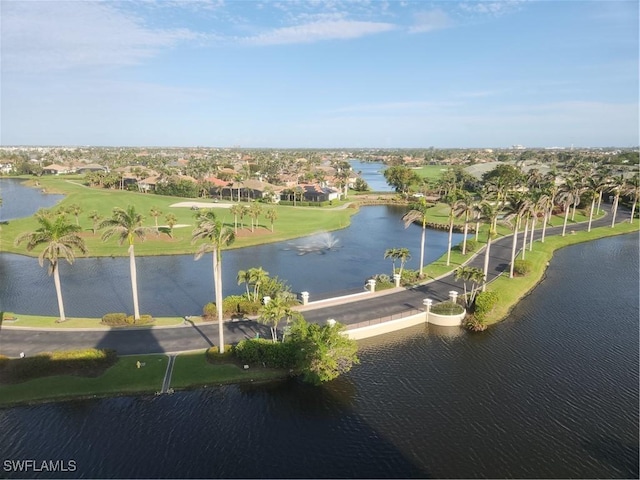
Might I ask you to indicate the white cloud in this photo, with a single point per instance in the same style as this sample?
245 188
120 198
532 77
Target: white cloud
44 36
492 8
430 21
319 31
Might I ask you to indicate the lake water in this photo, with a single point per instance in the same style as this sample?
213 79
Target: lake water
19 201
371 172
552 392
178 285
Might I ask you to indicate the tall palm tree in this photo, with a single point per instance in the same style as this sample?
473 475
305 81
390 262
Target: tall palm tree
60 238
567 197
244 276
75 210
254 212
236 211
274 311
95 218
516 210
490 212
633 188
257 276
126 225
155 212
216 236
272 216
450 200
617 188
473 275
418 214
464 207
403 255
593 187
392 253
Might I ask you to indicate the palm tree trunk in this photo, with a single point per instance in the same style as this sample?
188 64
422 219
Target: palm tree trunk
524 239
545 219
486 262
533 227
134 283
615 210
633 208
56 281
514 244
217 285
599 200
449 244
593 202
422 239
566 217
477 228
573 213
466 230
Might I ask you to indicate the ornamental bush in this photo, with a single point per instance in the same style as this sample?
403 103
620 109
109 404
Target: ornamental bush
213 354
522 267
485 301
114 319
260 351
447 308
472 246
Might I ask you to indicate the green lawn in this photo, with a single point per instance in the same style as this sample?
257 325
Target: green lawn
123 377
292 222
431 172
45 321
193 369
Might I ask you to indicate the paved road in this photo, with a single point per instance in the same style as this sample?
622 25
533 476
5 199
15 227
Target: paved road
14 340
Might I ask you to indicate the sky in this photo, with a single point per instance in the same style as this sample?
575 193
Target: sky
320 74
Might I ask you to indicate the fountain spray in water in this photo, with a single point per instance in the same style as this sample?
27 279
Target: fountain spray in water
320 243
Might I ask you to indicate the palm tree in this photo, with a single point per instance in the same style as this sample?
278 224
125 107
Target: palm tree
95 217
155 213
473 275
633 188
593 187
60 238
617 187
126 225
75 210
567 197
236 211
450 200
490 212
217 236
418 214
244 276
403 255
392 253
464 207
257 276
274 311
171 220
272 216
517 209
254 212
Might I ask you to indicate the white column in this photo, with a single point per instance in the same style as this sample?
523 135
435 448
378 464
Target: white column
427 307
396 278
266 299
305 297
372 285
331 322
453 296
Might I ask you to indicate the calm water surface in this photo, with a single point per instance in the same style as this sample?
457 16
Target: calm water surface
30 199
552 392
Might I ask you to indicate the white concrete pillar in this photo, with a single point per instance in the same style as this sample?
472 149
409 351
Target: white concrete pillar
305 297
266 299
396 279
453 296
371 284
331 322
427 307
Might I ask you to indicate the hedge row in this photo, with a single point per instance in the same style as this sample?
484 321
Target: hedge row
123 320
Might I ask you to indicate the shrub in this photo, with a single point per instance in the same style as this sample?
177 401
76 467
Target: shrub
113 319
447 308
473 324
485 301
209 310
239 305
472 246
121 319
409 277
522 267
266 352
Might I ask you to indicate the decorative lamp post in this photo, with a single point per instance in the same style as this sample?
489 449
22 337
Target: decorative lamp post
427 302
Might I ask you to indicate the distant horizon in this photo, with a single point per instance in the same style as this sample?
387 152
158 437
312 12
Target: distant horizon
404 74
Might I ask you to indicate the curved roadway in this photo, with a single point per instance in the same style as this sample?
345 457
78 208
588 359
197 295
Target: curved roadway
14 340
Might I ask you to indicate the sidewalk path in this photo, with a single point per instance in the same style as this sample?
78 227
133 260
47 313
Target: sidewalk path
194 336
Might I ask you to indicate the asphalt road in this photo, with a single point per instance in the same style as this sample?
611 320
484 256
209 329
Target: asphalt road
14 340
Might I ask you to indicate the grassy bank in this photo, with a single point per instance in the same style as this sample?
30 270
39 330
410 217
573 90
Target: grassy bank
49 321
190 370
511 290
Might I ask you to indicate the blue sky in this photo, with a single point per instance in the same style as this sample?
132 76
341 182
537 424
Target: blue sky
320 74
